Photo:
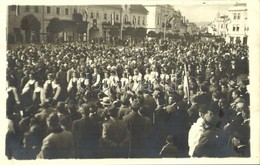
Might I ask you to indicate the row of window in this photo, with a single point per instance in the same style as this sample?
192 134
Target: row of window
27 8
235 28
236 16
138 21
92 15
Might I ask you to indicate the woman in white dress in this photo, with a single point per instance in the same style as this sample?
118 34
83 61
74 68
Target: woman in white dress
137 80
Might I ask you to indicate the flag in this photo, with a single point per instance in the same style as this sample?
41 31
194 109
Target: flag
134 21
170 20
186 84
85 15
113 18
17 10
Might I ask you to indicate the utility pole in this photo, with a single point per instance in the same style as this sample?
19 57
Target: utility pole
164 30
165 16
121 24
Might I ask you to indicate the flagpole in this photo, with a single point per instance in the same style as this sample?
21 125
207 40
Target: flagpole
165 15
186 84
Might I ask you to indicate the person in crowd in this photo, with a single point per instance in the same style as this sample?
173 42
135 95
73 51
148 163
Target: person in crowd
96 81
193 111
86 134
42 116
115 136
58 93
12 100
59 144
203 140
28 90
169 150
213 72
48 89
72 86
139 129
105 83
137 78
124 109
38 95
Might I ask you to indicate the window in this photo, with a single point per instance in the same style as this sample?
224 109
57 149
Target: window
238 15
97 15
134 20
36 9
75 11
138 20
234 28
235 15
117 17
126 18
27 8
143 20
158 20
57 10
105 16
221 25
48 9
91 15
66 11
237 28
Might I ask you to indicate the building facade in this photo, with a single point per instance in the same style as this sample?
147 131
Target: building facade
219 26
238 25
98 21
161 15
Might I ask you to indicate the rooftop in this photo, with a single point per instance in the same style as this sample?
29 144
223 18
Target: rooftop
138 8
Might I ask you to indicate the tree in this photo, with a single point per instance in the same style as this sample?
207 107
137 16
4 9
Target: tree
140 32
54 27
169 35
151 34
29 24
128 31
160 35
114 31
81 27
77 17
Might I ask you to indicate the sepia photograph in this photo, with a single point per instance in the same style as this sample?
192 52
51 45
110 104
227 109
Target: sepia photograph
172 80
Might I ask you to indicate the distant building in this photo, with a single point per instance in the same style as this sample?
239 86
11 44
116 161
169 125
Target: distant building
219 26
238 25
192 28
98 20
161 15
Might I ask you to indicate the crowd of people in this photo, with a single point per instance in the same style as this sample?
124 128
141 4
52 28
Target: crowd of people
174 99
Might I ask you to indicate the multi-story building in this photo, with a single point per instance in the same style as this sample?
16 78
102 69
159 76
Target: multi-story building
219 25
192 28
237 24
98 20
161 15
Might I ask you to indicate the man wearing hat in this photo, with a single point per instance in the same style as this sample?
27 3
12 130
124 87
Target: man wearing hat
115 136
202 135
59 143
86 134
139 128
231 88
106 102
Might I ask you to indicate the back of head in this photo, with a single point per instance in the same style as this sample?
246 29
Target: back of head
170 139
112 111
135 105
53 120
85 109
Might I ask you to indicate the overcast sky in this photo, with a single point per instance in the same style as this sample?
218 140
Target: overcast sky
202 13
